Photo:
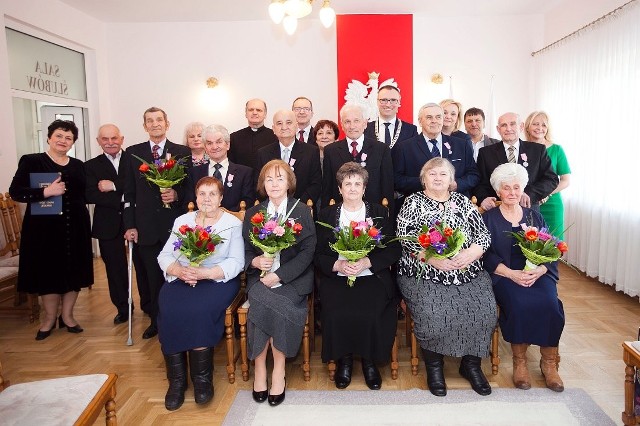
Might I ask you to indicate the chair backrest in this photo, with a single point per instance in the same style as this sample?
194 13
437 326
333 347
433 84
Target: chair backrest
11 219
384 202
310 205
474 201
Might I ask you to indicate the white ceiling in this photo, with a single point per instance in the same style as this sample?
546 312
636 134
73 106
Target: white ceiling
249 10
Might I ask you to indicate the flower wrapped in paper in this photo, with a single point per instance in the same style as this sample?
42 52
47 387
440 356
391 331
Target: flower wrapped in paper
538 246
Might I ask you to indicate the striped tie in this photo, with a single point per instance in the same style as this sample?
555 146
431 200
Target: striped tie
512 155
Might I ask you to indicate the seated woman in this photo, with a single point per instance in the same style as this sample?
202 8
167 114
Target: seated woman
452 302
193 300
530 311
278 300
358 320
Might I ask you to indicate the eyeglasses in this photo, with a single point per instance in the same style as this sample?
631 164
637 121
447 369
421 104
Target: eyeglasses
304 109
389 101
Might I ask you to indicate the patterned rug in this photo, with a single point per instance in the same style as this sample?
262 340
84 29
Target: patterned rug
419 407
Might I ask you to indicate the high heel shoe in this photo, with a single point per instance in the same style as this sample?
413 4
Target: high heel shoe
259 396
275 400
41 335
75 329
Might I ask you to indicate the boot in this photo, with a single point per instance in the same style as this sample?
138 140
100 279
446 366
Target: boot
550 368
201 371
471 369
521 377
177 376
435 372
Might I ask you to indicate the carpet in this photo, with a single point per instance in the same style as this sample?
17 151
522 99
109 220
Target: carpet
419 407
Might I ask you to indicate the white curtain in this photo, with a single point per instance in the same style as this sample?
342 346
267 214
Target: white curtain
590 86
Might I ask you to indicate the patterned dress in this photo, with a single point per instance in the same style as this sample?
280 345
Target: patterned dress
454 311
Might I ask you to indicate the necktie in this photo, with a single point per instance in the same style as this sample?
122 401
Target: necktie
217 173
435 152
387 134
285 155
512 155
154 152
354 150
301 136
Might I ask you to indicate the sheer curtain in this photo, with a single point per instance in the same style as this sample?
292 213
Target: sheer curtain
590 86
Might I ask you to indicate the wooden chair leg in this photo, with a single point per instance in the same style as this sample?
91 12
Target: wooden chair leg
495 340
32 300
230 346
110 409
242 322
306 355
408 327
413 345
394 359
332 370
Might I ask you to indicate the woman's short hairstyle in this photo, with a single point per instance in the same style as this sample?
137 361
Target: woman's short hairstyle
191 127
351 169
508 172
216 128
544 116
210 180
322 123
281 168
447 102
65 125
438 162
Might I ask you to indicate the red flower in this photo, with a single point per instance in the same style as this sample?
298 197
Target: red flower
563 247
423 260
353 224
373 232
424 240
257 218
184 229
297 228
211 247
448 232
255 230
199 243
170 163
531 235
143 168
356 232
204 235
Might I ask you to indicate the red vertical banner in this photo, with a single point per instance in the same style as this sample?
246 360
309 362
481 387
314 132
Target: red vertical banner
376 43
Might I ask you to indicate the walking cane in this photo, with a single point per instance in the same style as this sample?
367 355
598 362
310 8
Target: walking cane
130 267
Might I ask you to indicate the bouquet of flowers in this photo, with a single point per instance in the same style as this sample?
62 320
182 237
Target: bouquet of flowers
440 241
197 243
163 172
538 246
355 241
272 234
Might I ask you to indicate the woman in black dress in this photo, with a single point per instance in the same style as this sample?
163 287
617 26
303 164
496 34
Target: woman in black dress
59 244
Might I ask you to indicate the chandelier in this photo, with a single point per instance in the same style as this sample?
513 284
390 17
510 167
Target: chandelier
289 11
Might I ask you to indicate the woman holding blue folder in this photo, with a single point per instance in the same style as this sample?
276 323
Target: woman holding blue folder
55 247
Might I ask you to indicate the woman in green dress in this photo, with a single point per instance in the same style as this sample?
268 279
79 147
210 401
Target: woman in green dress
538 129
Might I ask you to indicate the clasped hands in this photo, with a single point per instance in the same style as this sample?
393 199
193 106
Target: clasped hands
265 263
527 278
190 274
463 259
351 269
168 195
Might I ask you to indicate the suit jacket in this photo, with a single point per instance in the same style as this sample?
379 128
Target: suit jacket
306 167
312 137
245 144
407 131
462 135
143 206
107 215
542 179
239 188
376 158
295 262
410 155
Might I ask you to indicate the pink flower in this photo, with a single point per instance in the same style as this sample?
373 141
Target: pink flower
526 228
292 162
544 236
168 156
523 156
453 206
363 156
448 147
270 225
279 231
435 236
229 177
370 221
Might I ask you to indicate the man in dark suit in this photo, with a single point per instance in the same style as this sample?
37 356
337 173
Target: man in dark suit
303 158
533 156
246 142
387 127
303 109
374 156
410 155
147 222
106 175
236 178
474 125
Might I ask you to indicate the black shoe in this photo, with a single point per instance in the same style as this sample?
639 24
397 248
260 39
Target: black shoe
150 332
342 377
371 374
435 372
120 319
275 400
41 335
177 377
201 371
259 396
471 369
75 329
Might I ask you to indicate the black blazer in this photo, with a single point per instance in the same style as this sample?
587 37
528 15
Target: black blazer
107 215
542 178
377 162
311 140
306 167
407 131
239 188
296 261
245 144
143 206
410 155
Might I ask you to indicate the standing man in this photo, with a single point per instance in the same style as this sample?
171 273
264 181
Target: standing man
303 108
236 178
532 156
246 142
106 176
374 156
388 128
148 223
474 125
303 158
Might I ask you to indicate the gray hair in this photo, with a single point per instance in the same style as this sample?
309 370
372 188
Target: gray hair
352 106
428 105
508 172
189 128
437 162
216 128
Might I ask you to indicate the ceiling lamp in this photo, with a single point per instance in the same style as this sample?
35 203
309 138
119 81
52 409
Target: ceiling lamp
288 12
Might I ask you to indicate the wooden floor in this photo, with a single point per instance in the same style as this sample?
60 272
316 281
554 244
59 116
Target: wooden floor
598 319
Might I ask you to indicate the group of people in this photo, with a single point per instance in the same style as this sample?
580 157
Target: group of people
424 177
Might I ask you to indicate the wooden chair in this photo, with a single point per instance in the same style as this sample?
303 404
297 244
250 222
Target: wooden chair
79 399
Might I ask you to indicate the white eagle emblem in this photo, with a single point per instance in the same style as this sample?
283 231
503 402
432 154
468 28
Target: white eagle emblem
366 95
